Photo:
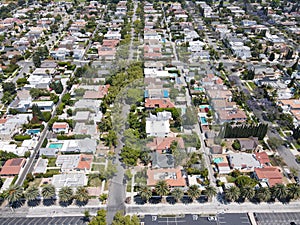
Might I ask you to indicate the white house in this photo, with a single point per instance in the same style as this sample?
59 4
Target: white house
158 126
60 127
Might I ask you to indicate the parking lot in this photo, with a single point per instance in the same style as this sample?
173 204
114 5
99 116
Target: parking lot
178 219
43 220
234 219
277 218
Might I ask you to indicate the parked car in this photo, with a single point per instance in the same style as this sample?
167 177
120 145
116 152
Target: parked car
212 218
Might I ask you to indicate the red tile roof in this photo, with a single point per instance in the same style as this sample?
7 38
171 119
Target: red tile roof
159 143
273 175
262 157
173 177
85 162
12 166
159 103
60 125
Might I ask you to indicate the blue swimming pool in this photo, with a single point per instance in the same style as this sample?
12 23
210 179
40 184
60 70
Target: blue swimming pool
203 120
218 160
198 89
55 145
204 106
33 131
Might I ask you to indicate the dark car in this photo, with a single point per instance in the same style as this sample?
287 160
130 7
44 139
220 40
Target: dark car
296 179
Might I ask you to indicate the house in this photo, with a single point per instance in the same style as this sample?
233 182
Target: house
158 125
162 144
70 180
221 161
60 127
12 167
243 161
48 152
158 103
86 146
40 166
71 163
174 177
270 175
82 116
44 105
97 94
161 160
228 116
263 158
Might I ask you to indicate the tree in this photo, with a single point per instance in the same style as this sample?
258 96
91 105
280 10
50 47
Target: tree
210 192
36 60
279 191
32 193
130 155
111 139
119 219
57 87
177 194
65 194
194 192
263 194
242 181
48 191
232 193
236 145
82 194
9 87
293 191
13 193
162 188
247 192
190 117
100 218
145 192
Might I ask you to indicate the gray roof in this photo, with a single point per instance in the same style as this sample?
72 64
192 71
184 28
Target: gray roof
70 180
86 145
41 166
162 160
50 152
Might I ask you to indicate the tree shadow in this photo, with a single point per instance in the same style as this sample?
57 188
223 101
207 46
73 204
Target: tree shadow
81 203
202 199
65 203
49 201
34 202
186 199
155 200
17 204
171 200
138 200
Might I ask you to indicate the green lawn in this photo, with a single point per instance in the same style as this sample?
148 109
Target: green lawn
252 85
97 167
100 160
51 162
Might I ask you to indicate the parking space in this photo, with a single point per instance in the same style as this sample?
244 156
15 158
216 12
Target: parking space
234 219
191 219
277 218
43 220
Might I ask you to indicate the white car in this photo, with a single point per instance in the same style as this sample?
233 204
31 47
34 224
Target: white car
212 218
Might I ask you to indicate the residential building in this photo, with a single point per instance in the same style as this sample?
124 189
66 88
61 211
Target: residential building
12 167
243 161
70 180
269 175
60 127
158 125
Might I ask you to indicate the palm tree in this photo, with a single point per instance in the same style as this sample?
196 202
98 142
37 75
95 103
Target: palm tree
279 191
162 188
48 191
65 194
232 193
177 194
210 192
145 192
194 192
82 194
32 193
294 191
247 192
263 194
13 194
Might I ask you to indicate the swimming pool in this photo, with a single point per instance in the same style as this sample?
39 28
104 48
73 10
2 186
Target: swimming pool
198 89
218 160
55 145
203 120
33 131
204 106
